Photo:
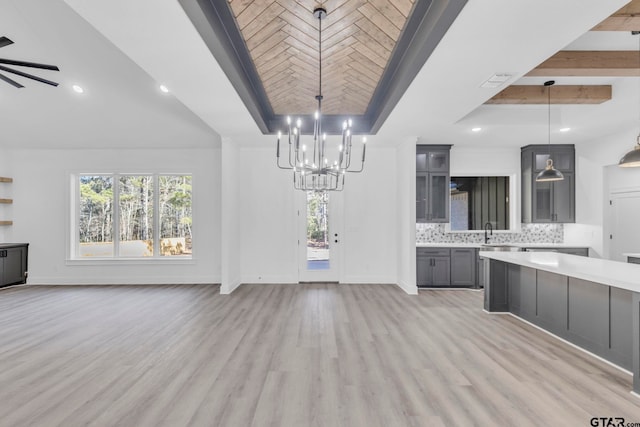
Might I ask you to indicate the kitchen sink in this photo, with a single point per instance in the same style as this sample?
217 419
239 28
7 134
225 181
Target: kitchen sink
498 247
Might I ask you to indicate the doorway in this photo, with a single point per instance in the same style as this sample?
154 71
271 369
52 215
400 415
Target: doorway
624 233
319 237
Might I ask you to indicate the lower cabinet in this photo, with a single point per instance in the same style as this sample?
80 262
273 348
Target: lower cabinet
463 267
13 264
446 267
433 267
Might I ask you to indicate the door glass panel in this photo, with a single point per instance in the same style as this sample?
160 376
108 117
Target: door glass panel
561 160
542 201
421 162
317 230
439 195
438 161
421 197
562 200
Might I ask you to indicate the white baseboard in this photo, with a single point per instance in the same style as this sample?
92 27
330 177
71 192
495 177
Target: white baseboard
408 288
122 280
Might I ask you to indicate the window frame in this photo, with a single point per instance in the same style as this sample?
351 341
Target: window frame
73 231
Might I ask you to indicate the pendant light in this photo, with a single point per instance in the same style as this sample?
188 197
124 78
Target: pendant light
549 173
632 158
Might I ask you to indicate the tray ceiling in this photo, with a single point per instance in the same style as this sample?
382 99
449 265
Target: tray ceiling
371 51
358 39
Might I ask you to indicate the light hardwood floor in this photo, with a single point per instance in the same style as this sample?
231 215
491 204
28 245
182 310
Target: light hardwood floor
288 355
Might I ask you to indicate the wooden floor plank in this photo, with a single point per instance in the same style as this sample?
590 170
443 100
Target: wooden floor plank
288 355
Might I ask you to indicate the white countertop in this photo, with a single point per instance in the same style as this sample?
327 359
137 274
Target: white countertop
612 273
479 245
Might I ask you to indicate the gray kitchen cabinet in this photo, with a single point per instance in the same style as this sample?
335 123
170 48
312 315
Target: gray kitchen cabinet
432 183
433 267
463 267
447 267
548 202
479 271
13 264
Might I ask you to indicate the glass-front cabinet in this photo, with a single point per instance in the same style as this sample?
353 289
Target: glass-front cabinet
432 183
546 202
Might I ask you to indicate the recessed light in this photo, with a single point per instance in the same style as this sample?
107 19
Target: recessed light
565 129
476 129
77 88
164 89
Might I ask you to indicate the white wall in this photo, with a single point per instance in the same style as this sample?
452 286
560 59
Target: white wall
230 221
6 192
268 221
591 159
41 212
406 216
370 220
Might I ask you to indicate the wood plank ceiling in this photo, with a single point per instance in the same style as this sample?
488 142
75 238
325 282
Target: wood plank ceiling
358 39
567 63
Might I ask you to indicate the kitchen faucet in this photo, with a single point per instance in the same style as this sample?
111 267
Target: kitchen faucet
486 236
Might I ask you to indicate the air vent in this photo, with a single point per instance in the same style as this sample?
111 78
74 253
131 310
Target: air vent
496 80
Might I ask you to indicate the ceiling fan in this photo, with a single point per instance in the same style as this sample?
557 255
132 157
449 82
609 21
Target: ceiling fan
4 41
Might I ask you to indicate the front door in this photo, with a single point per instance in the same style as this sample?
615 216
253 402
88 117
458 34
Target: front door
319 237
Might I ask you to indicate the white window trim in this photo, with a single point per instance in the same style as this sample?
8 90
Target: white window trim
73 236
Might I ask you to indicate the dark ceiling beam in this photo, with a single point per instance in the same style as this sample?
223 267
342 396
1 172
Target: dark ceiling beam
626 18
560 94
425 28
589 63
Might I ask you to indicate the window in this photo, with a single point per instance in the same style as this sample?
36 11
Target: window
132 216
477 200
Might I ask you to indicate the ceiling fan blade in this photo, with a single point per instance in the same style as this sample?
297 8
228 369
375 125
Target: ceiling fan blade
29 76
28 64
10 81
5 41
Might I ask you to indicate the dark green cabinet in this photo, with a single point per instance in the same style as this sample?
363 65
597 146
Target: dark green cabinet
432 183
13 264
548 202
433 267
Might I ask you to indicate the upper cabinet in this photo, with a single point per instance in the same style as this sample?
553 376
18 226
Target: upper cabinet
548 201
432 183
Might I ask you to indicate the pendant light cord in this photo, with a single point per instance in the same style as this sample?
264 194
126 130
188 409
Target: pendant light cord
549 117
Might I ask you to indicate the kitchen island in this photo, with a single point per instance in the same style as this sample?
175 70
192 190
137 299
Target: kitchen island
592 303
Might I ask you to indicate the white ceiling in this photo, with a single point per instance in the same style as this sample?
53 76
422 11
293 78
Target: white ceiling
121 50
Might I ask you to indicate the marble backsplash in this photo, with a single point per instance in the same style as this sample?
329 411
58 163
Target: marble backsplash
529 233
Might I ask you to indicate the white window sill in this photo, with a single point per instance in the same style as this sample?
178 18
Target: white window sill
131 261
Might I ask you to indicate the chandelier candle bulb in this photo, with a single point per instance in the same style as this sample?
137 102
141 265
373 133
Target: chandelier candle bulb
318 172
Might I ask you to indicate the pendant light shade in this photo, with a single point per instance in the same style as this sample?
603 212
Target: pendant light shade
549 173
632 158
